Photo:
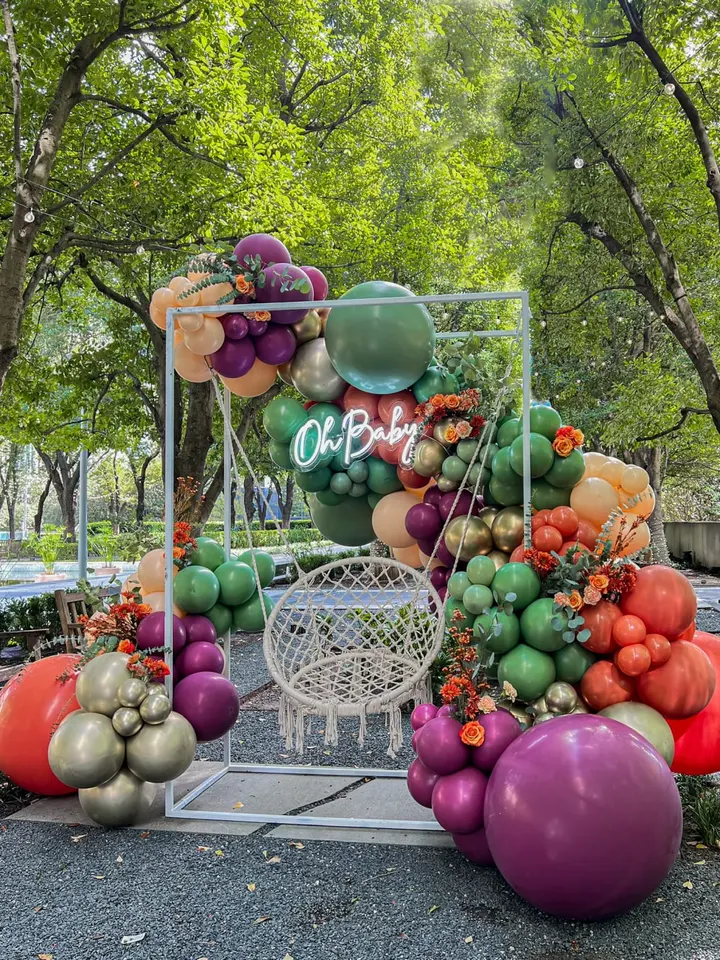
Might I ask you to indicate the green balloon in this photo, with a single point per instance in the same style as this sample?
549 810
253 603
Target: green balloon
317 479
489 499
282 417
545 497
477 470
280 454
508 430
374 499
382 476
248 617
322 412
381 349
208 553
450 383
358 471
358 490
572 661
509 414
237 582
541 455
545 420
221 618
502 468
487 453
196 589
330 498
537 629
481 570
350 524
520 579
466 450
264 563
509 630
507 494
430 383
477 598
529 670
457 585
340 483
462 624
566 471
454 468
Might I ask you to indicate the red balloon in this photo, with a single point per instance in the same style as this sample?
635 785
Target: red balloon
32 704
405 400
599 620
663 599
518 554
354 399
390 452
408 478
587 533
659 647
579 548
697 739
565 520
633 659
536 522
603 684
688 633
542 514
547 539
681 687
628 630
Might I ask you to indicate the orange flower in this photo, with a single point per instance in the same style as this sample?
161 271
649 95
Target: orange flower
599 581
575 601
263 315
244 286
473 734
451 435
452 401
125 646
178 553
487 705
437 401
563 447
578 438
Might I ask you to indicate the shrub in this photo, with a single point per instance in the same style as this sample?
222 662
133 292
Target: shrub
701 807
30 613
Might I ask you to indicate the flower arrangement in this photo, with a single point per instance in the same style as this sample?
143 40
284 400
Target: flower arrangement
245 278
183 543
453 405
566 440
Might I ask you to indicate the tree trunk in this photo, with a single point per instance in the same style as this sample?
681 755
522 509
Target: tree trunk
38 518
233 509
289 499
64 475
11 518
249 498
140 479
262 509
653 460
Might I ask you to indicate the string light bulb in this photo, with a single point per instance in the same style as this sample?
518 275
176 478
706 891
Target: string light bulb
578 163
669 89
29 217
140 250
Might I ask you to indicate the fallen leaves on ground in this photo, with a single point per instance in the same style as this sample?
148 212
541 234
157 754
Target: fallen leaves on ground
298 846
468 939
251 887
688 885
118 859
133 938
433 908
98 876
78 837
44 956
260 920
699 863
239 805
203 849
145 834
219 853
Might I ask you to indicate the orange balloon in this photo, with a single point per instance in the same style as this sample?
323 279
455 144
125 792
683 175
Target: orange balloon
209 296
388 519
599 620
425 559
565 520
633 659
158 315
573 544
259 378
663 599
697 739
404 400
594 462
688 633
206 339
659 647
634 480
547 539
32 704
518 554
594 499
637 539
644 506
408 555
410 479
151 571
628 630
681 687
543 514
587 533
536 522
612 471
191 366
603 684
190 322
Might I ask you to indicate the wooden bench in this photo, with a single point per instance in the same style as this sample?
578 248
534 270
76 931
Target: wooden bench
71 607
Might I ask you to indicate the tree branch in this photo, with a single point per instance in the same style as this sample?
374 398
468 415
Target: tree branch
611 42
685 412
16 88
590 296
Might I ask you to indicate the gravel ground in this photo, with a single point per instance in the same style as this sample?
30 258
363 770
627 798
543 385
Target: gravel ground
708 620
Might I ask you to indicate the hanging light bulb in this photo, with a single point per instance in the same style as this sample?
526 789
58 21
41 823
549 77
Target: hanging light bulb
140 250
584 323
543 324
669 89
578 163
29 217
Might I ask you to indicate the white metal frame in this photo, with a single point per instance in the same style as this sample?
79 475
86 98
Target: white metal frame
179 808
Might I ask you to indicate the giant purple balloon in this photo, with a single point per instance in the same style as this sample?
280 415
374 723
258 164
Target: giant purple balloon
423 521
583 817
277 345
279 279
268 248
474 846
234 358
200 657
199 628
209 702
235 325
440 748
458 800
501 728
420 783
318 281
421 714
151 632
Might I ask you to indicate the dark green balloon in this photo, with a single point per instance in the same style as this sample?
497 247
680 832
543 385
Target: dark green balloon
566 471
382 476
221 618
209 553
350 524
545 420
282 417
545 497
520 579
340 483
330 498
196 589
509 414
537 629
454 468
315 480
502 468
541 455
451 606
237 582
280 454
248 617
358 471
374 499
509 634
358 490
529 670
381 349
264 563
572 661
450 383
508 431
507 494
430 383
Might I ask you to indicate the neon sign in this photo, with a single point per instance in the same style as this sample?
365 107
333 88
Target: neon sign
314 440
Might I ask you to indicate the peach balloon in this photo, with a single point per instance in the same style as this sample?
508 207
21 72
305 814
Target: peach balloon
164 298
426 560
259 378
408 555
189 322
594 462
634 479
156 600
639 538
151 571
209 338
388 519
644 505
612 471
191 366
209 296
158 315
178 285
594 499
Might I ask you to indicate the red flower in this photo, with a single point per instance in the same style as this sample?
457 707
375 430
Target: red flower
125 646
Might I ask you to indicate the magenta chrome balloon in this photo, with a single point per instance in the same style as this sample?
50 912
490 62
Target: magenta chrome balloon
151 632
200 657
277 345
421 714
583 817
268 248
420 783
234 358
209 702
440 748
458 800
199 628
501 728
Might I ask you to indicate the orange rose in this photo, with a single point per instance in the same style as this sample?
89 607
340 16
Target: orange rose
452 401
578 438
599 581
473 734
263 315
437 401
178 553
575 601
244 286
563 447
451 435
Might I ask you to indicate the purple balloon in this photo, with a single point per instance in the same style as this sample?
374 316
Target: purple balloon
413 742
257 328
277 345
199 628
234 358
426 547
319 282
209 702
458 800
423 521
464 504
268 248
421 714
433 496
200 657
420 783
501 728
447 710
439 577
235 325
151 632
474 846
444 556
279 279
583 817
442 593
440 748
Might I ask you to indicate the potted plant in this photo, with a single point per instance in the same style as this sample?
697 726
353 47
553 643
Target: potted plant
104 545
12 652
47 548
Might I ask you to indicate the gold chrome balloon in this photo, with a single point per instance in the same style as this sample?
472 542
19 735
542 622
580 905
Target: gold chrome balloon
498 558
517 710
581 707
560 697
309 328
154 689
155 709
162 751
488 514
429 456
647 722
543 717
98 682
284 373
131 693
127 721
466 537
120 802
508 528
440 428
85 750
324 313
314 375
446 485
537 706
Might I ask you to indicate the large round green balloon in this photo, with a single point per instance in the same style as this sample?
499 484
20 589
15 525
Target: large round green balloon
454 468
509 630
509 494
520 579
374 499
481 570
350 524
381 349
462 623
508 431
264 563
545 497
541 455
477 598
572 661
237 582
430 383
501 466
282 418
545 420
280 454
315 480
208 554
458 584
537 629
221 618
566 471
248 618
329 498
196 589
382 477
466 451
529 670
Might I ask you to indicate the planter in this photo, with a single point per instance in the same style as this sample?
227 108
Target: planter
105 571
12 654
47 577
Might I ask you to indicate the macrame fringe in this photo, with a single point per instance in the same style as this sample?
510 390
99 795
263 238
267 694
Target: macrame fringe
395 732
331 725
362 726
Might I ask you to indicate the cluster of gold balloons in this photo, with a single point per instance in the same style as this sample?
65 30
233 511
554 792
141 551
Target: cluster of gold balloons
560 699
494 532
